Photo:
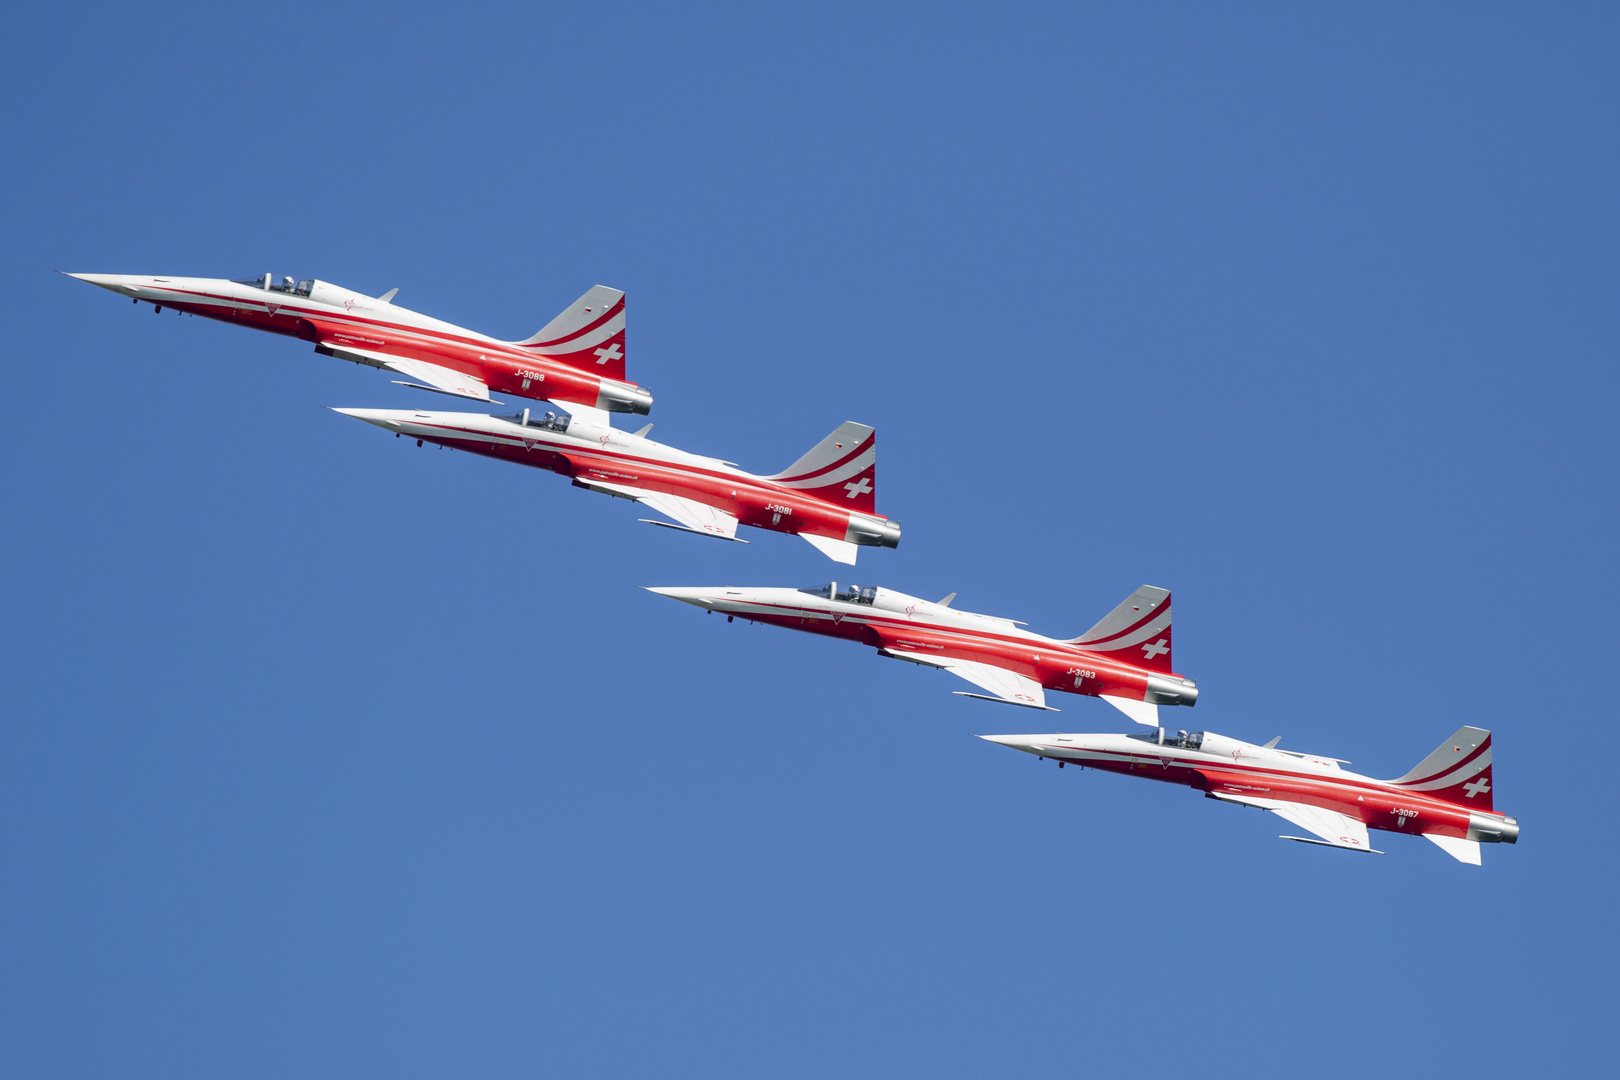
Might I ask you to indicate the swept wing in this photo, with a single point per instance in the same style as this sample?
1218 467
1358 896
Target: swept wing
1333 828
1004 686
436 376
693 516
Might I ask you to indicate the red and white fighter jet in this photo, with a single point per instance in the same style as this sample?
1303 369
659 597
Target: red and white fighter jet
1447 798
827 496
1124 659
577 358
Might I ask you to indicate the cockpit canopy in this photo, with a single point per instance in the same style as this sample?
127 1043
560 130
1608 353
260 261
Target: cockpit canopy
849 594
549 421
1184 740
268 283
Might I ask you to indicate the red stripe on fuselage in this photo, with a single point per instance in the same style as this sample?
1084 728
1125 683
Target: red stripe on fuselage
427 337
728 491
975 645
1344 795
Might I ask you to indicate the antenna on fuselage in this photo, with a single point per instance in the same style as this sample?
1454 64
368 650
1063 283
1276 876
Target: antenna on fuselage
1272 745
947 601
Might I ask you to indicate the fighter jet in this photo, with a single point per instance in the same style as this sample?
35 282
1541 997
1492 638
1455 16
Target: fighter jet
827 496
577 358
1447 798
1124 659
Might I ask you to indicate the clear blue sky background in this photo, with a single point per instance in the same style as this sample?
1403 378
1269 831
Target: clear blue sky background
325 756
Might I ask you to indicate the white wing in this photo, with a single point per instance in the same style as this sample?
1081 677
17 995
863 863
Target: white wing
437 377
1334 828
693 516
841 551
1462 850
1006 686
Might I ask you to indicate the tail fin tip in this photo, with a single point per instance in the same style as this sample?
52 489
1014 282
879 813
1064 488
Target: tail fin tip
1458 771
840 469
1138 629
589 334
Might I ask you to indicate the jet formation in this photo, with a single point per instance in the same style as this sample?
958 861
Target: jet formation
576 364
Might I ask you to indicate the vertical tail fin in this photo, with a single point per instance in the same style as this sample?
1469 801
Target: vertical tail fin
1459 770
841 469
589 335
1138 631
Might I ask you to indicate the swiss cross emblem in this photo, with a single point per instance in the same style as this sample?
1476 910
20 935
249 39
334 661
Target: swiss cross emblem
612 352
1478 787
1156 649
860 487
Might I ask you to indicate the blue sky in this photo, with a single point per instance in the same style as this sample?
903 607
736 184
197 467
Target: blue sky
321 755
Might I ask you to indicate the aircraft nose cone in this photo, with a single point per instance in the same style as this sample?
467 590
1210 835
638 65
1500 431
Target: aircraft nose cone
383 418
114 282
695 597
1026 743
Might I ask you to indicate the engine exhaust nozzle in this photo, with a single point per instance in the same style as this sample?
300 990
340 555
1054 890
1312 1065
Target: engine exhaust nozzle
1168 690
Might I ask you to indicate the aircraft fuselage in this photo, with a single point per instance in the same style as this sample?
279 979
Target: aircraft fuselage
909 628
1231 770
366 330
614 462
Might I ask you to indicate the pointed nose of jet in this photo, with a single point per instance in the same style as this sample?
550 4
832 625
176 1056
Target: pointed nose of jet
383 418
1029 744
696 597
115 282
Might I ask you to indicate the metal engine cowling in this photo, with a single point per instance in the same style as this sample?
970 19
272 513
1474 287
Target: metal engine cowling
1489 829
873 532
1169 690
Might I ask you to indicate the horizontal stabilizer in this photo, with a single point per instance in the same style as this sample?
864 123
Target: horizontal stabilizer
1464 851
588 416
839 551
1140 711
